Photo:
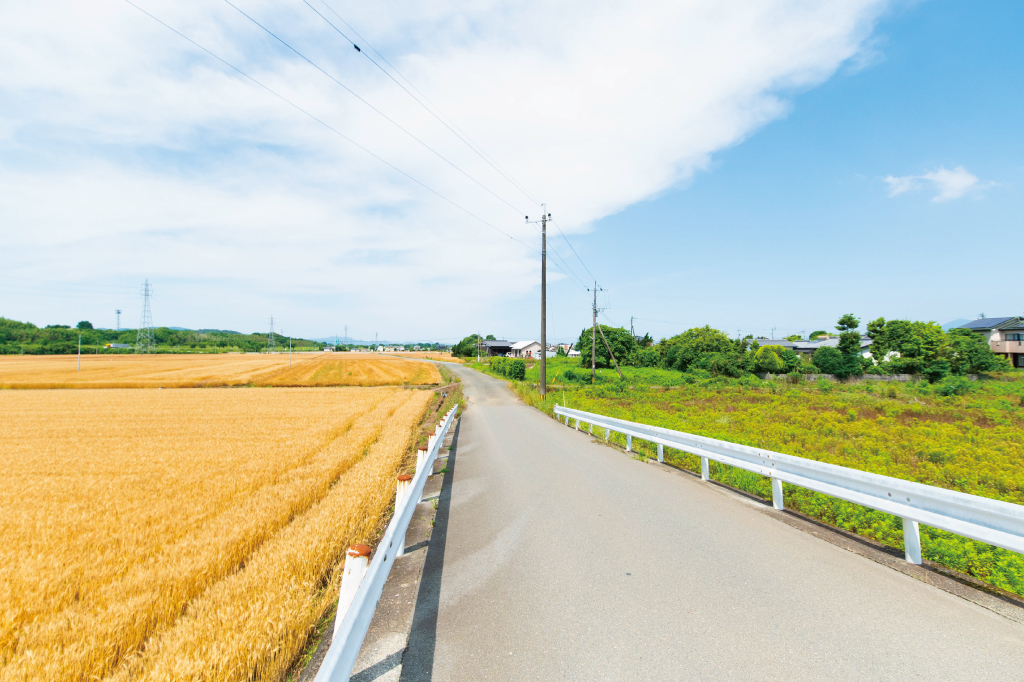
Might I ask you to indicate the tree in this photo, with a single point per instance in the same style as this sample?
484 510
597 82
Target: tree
816 334
490 337
849 346
685 349
466 347
794 337
84 324
969 353
767 359
621 341
828 360
561 352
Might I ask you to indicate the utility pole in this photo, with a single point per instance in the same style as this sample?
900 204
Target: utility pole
118 319
346 334
593 341
543 299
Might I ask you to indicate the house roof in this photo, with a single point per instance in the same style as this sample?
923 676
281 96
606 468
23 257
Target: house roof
519 345
500 343
986 323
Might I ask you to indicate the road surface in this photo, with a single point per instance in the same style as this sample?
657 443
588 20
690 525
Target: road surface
559 558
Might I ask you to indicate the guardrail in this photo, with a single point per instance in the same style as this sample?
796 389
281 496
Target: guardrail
362 584
979 518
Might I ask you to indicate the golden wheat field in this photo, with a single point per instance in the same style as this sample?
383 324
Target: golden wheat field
430 355
187 534
228 369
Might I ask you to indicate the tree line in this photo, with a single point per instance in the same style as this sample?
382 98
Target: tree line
56 339
897 347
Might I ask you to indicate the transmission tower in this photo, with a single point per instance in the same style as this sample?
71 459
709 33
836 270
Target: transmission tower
270 337
118 319
144 336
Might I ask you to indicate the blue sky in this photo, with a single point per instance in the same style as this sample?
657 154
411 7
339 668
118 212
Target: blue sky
794 226
749 165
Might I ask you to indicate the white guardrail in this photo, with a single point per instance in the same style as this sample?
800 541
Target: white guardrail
363 580
992 521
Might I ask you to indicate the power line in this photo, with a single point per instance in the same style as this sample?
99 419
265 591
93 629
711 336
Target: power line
329 127
378 111
439 115
573 250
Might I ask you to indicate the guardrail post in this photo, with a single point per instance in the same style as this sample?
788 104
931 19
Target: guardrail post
591 430
704 469
402 492
607 433
421 460
661 452
777 494
357 560
911 541
629 443
577 423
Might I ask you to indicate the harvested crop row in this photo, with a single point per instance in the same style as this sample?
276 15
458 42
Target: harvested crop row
253 624
120 507
198 371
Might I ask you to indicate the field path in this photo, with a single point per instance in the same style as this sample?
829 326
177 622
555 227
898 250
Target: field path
563 559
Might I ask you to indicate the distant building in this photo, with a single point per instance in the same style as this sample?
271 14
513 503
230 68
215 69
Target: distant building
573 353
495 347
526 349
1005 336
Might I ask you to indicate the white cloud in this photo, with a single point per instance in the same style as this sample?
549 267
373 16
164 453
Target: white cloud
126 152
948 184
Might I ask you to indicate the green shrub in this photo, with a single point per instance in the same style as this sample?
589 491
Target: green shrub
516 370
954 386
829 360
795 377
767 359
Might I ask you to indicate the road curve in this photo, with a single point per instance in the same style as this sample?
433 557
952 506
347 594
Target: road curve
563 559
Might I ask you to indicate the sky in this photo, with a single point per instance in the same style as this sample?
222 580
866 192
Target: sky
762 166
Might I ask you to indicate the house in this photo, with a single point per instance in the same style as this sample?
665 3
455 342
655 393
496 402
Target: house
808 347
573 353
1005 336
495 347
565 346
526 349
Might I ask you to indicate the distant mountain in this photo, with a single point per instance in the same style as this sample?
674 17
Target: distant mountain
954 324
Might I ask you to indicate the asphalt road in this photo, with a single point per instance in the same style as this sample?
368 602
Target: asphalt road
558 558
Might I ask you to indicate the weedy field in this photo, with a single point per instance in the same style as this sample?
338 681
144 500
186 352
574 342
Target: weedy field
195 371
185 534
973 443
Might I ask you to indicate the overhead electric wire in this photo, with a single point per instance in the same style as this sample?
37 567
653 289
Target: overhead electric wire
439 115
329 127
573 250
378 111
455 130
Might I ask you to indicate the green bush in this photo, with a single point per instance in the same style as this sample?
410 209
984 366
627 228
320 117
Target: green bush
954 386
767 359
829 360
516 370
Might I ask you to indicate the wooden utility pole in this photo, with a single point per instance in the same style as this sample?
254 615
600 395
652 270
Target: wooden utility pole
593 341
544 302
543 299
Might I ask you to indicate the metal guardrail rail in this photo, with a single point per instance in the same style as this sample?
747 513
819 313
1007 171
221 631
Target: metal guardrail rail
367 582
979 518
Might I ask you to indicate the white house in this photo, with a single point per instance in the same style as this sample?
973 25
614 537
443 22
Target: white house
573 353
526 349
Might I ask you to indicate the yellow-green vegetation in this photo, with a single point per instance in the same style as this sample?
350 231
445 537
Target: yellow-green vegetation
972 442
